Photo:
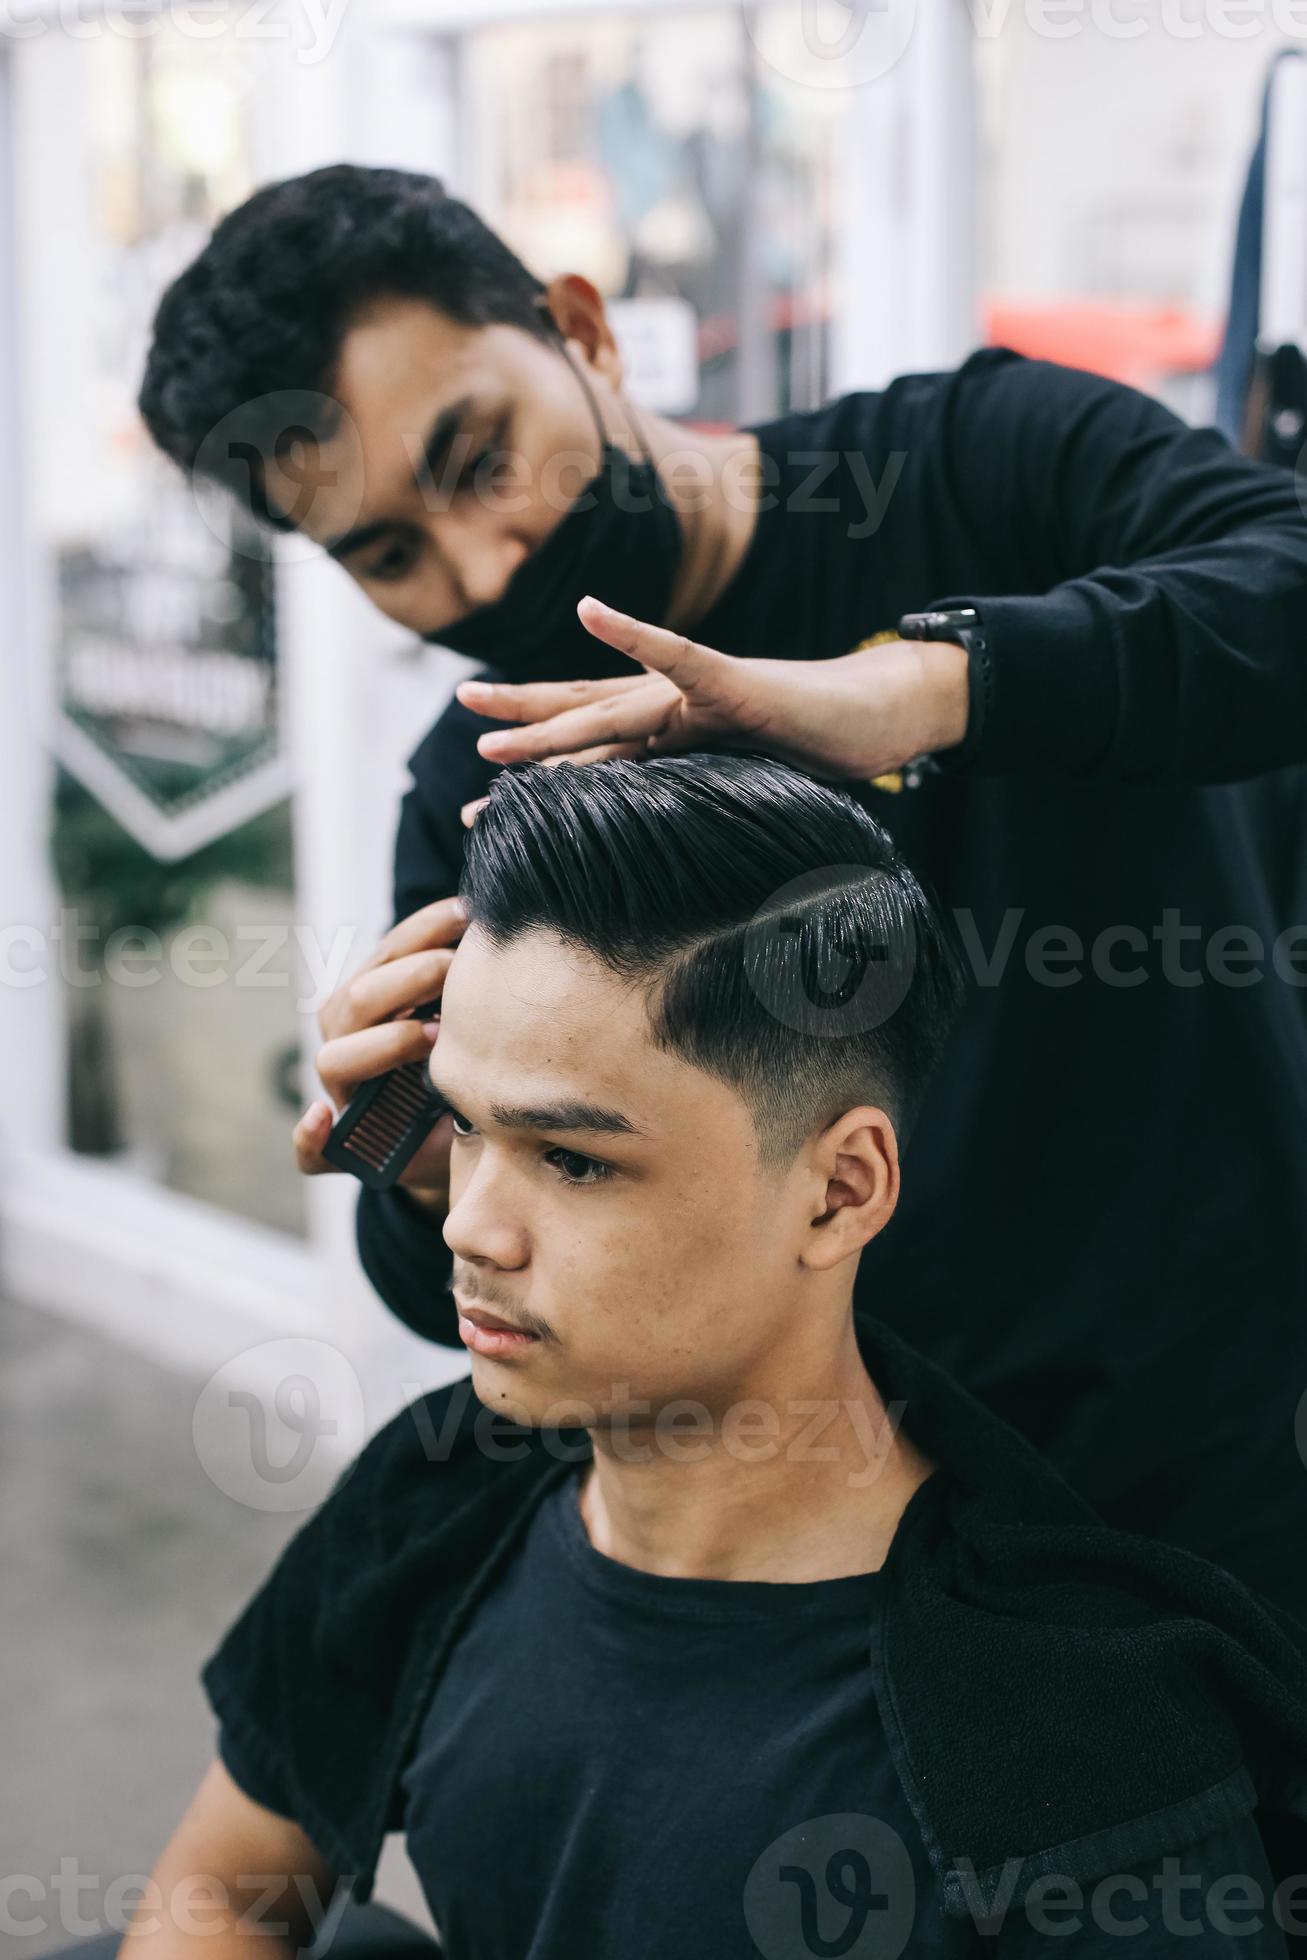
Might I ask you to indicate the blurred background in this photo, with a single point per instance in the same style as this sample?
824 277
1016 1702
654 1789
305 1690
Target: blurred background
202 740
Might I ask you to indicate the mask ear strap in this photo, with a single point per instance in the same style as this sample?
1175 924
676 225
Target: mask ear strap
579 372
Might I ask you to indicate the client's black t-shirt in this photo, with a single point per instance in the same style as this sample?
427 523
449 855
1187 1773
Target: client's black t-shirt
619 1763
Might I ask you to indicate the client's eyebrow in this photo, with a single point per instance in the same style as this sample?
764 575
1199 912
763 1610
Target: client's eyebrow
572 1114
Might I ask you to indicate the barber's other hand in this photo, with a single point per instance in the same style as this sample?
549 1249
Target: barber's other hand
369 1029
854 717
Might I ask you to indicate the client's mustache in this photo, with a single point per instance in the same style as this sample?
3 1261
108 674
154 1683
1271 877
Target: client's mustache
477 1296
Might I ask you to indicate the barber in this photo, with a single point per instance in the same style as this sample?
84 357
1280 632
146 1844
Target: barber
1054 637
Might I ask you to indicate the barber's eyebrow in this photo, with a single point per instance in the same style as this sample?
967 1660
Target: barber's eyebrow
572 1114
447 425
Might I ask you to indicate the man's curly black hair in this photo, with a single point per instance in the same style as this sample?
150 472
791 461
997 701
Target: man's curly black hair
264 308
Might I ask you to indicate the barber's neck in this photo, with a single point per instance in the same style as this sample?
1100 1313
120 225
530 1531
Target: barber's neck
715 483
802 1475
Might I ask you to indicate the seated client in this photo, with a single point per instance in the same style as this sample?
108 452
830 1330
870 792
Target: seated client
706 1617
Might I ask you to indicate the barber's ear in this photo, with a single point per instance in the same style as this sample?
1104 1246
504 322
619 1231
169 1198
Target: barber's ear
576 308
858 1176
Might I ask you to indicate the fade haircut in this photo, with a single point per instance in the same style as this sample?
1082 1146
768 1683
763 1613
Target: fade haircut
265 307
782 944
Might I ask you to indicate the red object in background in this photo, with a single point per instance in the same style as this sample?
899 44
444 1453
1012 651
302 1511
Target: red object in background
1126 340
1135 341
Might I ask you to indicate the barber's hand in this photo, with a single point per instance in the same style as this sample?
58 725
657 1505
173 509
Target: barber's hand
854 717
369 1029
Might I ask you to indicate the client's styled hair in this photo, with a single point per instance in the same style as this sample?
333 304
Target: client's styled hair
783 944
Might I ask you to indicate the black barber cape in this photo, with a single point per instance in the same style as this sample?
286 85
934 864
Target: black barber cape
1057 1696
1102 1230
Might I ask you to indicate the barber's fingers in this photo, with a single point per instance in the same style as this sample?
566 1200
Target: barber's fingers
381 993
343 1066
310 1133
346 1063
630 717
694 669
439 924
537 700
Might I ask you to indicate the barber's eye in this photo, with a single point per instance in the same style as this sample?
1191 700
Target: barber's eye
468 479
393 563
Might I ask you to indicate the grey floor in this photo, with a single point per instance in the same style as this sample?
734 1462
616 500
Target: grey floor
123 1563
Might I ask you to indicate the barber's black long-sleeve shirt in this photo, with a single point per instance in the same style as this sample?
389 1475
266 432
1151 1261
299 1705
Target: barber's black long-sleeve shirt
1103 1222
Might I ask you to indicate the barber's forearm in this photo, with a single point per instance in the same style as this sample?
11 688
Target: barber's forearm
403 1251
946 687
892 700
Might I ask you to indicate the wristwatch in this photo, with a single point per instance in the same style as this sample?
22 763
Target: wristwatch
959 626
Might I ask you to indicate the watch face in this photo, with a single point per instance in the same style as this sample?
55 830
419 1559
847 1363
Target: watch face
944 624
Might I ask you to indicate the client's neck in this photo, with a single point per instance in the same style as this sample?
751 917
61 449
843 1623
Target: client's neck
802 1476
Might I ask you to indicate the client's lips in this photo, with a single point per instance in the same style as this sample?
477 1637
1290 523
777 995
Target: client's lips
490 1334
480 1318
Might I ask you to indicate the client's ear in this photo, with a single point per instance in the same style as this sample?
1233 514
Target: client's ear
855 1172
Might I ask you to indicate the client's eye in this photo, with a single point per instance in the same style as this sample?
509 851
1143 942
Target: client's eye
591 1172
572 1166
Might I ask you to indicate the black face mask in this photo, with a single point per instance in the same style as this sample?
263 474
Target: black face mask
620 541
